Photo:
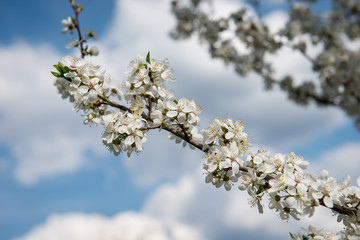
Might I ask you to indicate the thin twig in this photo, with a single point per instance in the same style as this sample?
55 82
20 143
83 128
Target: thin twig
149 128
77 25
149 106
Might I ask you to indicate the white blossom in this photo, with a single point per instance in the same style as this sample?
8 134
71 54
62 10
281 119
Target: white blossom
69 25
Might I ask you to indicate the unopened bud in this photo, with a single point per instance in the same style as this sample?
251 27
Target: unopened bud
94 51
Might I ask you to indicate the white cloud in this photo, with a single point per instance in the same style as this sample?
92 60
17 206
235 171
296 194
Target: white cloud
340 162
43 133
123 226
171 201
276 20
46 156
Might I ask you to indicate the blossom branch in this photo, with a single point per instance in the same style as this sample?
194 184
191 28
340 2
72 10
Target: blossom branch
178 133
181 133
335 64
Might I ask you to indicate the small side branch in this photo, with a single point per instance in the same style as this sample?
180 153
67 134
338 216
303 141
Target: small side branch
114 104
77 25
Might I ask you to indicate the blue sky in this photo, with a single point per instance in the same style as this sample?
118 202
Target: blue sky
54 170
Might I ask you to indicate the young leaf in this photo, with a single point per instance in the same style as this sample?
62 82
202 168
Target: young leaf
57 67
148 57
56 74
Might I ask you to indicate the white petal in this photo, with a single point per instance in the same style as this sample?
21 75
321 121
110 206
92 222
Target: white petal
129 140
257 160
229 135
138 144
225 164
328 202
324 174
83 89
208 178
171 113
171 105
290 202
181 118
189 109
317 195
235 167
227 186
242 187
212 167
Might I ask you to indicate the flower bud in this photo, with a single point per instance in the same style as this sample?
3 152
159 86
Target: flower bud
94 51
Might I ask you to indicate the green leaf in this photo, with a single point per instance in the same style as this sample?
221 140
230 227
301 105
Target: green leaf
63 69
57 67
260 190
56 74
79 7
72 19
148 57
67 69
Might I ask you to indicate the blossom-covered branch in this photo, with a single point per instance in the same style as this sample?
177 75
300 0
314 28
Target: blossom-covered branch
330 31
278 179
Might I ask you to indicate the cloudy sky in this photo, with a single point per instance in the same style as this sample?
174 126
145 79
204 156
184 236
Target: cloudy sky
57 181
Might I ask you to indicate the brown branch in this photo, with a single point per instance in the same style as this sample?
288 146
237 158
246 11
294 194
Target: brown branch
149 106
179 133
187 137
114 104
341 209
149 128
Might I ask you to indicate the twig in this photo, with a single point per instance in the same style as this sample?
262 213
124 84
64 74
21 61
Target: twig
77 25
149 106
149 128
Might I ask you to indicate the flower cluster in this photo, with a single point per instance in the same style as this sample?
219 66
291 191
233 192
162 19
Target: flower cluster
145 83
279 179
225 142
123 132
145 90
294 193
312 233
152 104
83 82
